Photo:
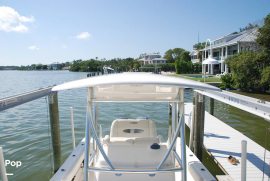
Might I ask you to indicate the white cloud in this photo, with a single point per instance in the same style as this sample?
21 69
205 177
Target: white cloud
83 36
33 47
11 20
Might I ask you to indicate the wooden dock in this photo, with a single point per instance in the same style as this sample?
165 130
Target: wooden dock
221 141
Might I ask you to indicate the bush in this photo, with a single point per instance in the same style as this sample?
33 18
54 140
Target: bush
197 68
226 81
183 67
245 68
168 67
265 80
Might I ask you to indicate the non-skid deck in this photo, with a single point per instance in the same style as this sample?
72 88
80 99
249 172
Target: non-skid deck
221 140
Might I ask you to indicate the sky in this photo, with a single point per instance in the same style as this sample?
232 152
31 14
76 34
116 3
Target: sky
33 31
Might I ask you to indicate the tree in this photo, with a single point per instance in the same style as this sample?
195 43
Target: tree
172 54
185 56
248 27
263 38
197 68
168 56
265 80
199 46
183 63
246 70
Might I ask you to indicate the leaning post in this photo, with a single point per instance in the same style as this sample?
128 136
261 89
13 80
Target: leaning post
199 124
55 129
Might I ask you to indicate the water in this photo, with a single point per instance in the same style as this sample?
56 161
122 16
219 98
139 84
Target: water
25 134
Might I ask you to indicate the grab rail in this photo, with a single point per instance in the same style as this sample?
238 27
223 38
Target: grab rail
245 103
135 171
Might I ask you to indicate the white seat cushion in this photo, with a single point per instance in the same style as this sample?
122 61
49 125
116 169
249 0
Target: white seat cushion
133 128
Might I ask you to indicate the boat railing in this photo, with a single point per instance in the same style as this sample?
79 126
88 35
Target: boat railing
144 171
245 103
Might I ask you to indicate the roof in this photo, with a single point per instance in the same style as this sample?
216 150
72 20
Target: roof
135 87
193 52
210 60
245 36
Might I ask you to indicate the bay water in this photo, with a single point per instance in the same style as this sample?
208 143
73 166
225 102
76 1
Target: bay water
25 129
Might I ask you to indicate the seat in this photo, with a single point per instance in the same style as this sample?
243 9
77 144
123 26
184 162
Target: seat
133 128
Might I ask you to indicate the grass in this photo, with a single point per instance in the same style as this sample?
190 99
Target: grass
262 96
208 79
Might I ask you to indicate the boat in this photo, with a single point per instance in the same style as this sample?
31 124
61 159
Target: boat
133 150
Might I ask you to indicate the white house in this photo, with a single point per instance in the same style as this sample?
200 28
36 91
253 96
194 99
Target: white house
154 58
225 47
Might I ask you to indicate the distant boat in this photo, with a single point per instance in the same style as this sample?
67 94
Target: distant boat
133 151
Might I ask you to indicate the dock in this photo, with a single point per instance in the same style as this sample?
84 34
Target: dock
221 141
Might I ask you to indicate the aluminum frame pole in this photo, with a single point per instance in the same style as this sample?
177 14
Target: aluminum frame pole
172 144
183 151
72 127
95 137
86 149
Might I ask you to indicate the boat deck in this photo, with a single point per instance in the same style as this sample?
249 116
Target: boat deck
221 141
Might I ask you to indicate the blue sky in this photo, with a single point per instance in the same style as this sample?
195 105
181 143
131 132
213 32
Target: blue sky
49 31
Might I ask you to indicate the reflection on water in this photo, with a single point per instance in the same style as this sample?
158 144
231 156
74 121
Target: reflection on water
25 134
250 125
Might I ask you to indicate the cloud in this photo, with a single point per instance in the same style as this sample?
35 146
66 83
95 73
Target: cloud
33 48
83 36
11 20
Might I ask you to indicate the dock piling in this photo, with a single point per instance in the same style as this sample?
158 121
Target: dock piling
199 124
55 129
212 105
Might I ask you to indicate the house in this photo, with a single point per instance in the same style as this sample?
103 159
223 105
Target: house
225 47
154 58
194 55
55 66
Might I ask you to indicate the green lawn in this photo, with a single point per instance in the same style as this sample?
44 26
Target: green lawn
262 96
208 79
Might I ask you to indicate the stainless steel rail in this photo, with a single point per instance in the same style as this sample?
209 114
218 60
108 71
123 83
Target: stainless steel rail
13 101
254 106
149 171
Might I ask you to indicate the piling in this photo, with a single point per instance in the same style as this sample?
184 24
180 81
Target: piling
212 105
199 125
55 129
